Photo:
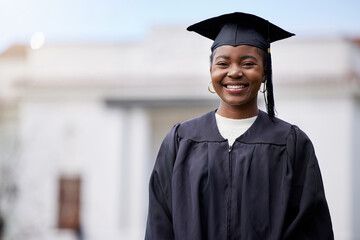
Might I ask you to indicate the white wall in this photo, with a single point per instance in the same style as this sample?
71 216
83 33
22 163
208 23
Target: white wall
356 167
62 137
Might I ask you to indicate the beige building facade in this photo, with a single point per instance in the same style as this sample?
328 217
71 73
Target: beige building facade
81 125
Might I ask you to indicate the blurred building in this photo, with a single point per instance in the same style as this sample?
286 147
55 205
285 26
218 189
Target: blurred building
80 126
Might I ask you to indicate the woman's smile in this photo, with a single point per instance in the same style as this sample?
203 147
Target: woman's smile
235 86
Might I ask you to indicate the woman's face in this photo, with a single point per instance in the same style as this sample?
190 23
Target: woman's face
236 74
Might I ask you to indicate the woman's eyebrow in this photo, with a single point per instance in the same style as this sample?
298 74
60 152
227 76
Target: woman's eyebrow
248 56
222 56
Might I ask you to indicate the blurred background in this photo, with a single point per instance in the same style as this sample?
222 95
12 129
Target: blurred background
88 90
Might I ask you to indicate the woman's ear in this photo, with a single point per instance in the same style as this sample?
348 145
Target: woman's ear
264 77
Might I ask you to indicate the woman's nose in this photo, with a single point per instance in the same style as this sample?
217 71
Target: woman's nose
235 72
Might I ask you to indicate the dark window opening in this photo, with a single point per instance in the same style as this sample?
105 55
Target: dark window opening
69 203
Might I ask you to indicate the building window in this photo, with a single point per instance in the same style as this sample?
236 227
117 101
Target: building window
69 203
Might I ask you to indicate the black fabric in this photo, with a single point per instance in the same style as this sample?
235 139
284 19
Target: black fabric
240 29
267 186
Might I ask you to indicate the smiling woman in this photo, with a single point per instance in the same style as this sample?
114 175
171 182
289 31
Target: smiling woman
237 172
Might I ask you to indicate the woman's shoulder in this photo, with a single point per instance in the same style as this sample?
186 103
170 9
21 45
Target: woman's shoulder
291 128
201 128
199 120
270 130
294 134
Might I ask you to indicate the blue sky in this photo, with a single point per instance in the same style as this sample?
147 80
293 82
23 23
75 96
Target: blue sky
118 20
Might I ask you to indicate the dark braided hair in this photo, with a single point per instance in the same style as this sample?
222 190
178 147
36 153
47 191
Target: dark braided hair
269 92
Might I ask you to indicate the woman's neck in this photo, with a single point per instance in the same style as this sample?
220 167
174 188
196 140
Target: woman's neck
235 112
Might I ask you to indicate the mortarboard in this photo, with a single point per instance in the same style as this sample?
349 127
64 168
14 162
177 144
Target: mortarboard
240 29
244 29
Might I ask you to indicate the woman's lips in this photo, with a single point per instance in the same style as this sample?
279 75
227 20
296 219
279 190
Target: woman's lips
240 86
235 88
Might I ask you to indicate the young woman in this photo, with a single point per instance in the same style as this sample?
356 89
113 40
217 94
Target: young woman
237 172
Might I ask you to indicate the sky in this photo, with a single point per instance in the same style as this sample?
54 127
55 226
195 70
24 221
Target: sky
118 20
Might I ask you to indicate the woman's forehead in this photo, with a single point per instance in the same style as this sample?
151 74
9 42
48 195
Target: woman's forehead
235 50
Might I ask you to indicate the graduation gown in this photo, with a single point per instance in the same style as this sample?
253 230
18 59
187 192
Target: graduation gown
266 186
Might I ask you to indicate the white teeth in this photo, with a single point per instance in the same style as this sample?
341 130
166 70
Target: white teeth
235 86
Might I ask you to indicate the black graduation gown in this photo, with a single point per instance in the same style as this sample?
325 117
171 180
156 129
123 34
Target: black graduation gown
267 186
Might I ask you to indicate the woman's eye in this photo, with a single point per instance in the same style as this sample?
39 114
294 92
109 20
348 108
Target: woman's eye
221 64
248 64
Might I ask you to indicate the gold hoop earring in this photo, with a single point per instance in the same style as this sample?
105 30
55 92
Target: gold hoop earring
264 88
209 88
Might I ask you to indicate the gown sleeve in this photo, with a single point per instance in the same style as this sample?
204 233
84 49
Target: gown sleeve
159 222
308 215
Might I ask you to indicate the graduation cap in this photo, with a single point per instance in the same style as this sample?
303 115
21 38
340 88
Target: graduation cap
244 29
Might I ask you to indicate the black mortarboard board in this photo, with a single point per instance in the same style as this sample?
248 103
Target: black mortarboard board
244 29
239 29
